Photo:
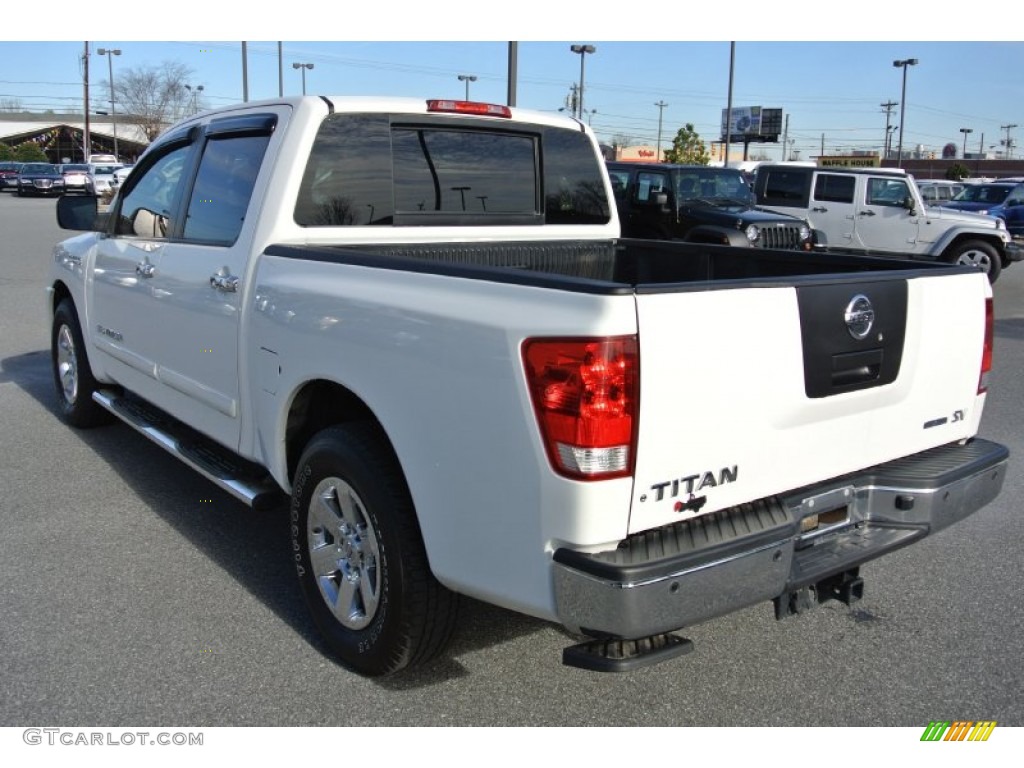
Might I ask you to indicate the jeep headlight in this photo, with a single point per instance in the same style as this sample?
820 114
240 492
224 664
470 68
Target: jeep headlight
753 232
1000 223
805 233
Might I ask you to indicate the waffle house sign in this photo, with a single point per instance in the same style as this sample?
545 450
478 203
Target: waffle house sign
850 161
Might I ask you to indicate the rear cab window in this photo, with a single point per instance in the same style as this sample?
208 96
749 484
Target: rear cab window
411 170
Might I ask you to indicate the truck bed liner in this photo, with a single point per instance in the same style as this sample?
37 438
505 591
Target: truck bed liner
609 267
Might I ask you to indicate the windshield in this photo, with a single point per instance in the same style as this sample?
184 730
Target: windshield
717 186
983 193
38 168
108 169
75 168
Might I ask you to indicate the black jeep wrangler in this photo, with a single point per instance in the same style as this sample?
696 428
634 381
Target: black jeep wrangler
698 203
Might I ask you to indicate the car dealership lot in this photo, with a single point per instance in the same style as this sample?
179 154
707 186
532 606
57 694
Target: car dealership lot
136 592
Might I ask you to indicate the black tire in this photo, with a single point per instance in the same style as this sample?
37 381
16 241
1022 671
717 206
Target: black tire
352 511
72 376
977 253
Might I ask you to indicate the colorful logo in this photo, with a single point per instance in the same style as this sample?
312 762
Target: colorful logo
960 730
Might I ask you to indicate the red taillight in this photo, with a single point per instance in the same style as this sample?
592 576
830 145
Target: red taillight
585 394
468 108
986 355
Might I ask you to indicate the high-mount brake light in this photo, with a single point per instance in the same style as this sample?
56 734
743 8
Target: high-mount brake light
585 393
468 108
986 355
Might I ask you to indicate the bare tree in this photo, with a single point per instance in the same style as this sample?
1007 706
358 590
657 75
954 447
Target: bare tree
621 140
153 97
11 105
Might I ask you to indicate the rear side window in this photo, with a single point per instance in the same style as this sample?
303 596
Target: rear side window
834 188
783 187
381 170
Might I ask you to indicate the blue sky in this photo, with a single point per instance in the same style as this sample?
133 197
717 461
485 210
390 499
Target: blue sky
831 90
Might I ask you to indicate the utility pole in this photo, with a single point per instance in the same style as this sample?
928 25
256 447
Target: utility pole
887 106
785 135
661 109
1009 141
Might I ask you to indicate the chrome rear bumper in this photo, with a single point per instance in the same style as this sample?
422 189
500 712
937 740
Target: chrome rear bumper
673 577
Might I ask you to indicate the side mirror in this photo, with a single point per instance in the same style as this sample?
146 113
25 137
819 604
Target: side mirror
80 214
910 205
660 199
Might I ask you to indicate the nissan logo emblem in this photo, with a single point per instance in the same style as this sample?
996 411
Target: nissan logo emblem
859 316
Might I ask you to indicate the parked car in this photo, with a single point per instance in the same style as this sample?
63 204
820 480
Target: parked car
981 198
75 177
101 179
1011 211
935 191
122 173
9 176
40 179
698 203
879 211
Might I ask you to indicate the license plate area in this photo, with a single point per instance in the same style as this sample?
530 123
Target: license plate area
823 514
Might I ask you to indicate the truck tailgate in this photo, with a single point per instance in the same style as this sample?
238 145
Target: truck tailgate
752 391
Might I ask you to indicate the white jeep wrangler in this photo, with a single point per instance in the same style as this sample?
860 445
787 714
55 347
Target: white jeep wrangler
880 211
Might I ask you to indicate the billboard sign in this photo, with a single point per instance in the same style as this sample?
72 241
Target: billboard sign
751 124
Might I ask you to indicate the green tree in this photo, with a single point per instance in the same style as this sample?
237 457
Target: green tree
29 152
6 153
957 171
688 147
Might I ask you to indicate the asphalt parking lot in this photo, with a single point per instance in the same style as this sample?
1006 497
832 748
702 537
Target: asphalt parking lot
133 591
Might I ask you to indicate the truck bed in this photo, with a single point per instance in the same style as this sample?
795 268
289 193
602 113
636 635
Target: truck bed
608 267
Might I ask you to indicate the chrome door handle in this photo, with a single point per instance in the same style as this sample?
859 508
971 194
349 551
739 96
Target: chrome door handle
867 213
820 209
145 269
223 281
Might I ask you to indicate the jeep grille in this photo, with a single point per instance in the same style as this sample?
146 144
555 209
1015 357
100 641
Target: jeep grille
780 237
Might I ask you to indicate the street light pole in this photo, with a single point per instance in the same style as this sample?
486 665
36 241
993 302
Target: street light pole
965 131
303 67
467 79
904 63
110 53
582 50
195 96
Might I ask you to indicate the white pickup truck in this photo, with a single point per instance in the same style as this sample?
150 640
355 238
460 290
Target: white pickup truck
416 319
